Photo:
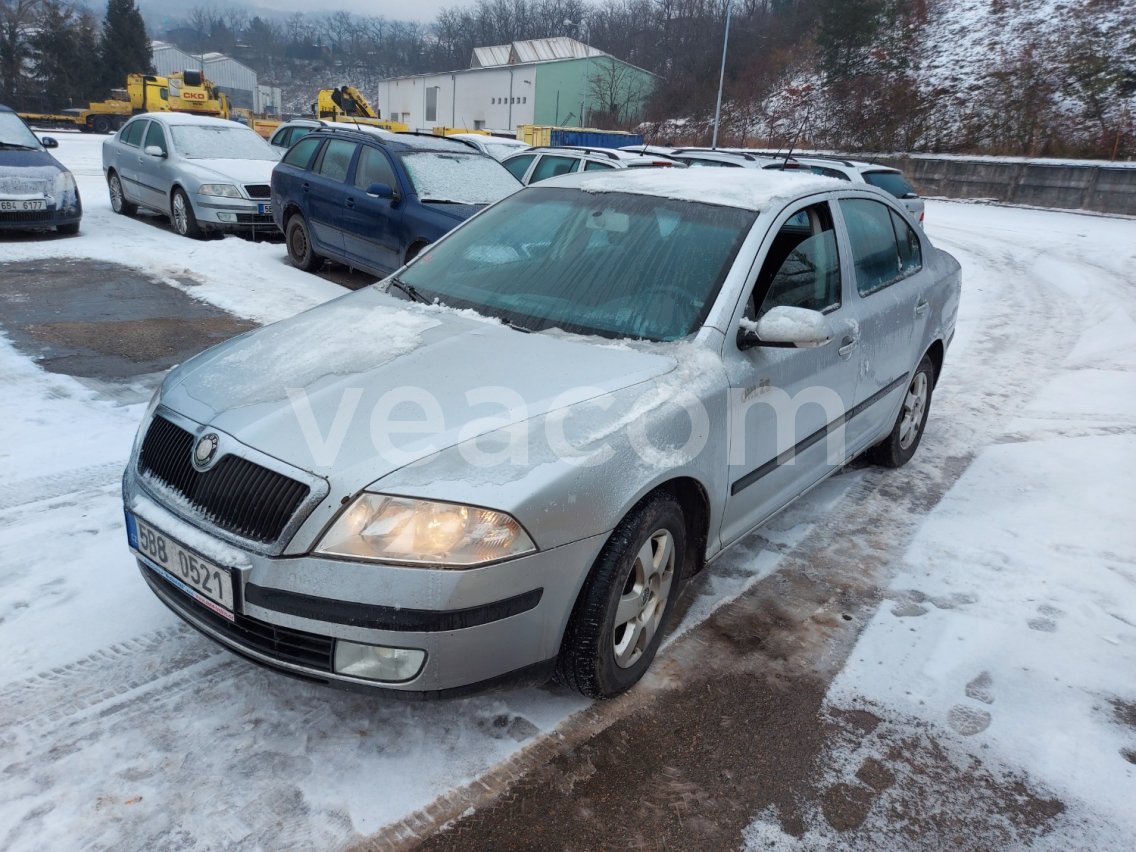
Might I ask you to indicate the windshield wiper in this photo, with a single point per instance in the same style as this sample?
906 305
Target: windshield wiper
514 325
18 146
410 291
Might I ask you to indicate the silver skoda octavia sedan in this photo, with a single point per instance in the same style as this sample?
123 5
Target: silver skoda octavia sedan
504 460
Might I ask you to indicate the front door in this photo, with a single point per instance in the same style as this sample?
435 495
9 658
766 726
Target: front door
788 405
372 227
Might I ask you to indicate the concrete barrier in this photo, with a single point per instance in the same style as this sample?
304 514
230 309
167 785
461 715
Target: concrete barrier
1096 186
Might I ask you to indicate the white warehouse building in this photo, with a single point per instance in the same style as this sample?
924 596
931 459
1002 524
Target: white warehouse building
234 78
555 81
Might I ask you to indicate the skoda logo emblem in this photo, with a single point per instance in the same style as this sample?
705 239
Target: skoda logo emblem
205 450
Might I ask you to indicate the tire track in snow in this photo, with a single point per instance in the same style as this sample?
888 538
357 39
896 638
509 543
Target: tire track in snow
25 491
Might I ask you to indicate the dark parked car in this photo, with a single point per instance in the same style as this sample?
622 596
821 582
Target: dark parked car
374 201
36 190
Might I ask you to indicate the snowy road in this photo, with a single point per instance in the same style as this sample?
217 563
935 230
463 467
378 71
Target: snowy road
1006 574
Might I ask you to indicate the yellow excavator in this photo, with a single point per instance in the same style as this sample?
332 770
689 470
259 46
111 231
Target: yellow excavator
347 105
184 91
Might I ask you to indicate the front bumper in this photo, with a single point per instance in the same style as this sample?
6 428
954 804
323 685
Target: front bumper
236 214
33 220
478 627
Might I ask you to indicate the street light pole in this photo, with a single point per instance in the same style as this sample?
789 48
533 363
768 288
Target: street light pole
721 77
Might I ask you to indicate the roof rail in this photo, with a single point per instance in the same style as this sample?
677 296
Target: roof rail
606 152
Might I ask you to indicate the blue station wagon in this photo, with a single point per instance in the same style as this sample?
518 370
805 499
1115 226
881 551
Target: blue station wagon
373 201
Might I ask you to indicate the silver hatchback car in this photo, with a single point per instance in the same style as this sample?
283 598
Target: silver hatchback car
505 459
206 174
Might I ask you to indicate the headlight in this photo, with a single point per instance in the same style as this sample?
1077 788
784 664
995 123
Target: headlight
225 190
424 532
64 183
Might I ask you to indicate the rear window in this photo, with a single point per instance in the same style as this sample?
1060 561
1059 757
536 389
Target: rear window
893 182
301 154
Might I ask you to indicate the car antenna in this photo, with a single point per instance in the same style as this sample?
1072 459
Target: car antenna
796 136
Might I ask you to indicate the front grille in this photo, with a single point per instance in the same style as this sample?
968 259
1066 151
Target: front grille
236 494
28 216
258 190
255 218
280 643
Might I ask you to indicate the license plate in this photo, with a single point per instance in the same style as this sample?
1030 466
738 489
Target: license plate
262 209
203 581
9 205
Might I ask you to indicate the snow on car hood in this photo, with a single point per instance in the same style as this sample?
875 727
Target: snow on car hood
340 373
27 174
240 171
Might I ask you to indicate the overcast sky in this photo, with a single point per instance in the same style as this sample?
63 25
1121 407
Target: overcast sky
421 10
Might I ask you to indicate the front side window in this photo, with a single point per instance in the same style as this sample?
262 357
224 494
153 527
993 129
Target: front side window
155 137
517 166
374 167
616 265
802 267
336 159
551 166
875 249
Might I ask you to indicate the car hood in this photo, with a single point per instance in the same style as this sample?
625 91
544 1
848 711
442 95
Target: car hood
27 172
239 171
321 390
453 209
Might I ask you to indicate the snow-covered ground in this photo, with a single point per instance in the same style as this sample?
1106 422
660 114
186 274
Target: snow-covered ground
1010 626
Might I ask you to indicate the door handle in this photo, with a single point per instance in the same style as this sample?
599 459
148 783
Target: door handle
305 186
350 202
847 345
921 307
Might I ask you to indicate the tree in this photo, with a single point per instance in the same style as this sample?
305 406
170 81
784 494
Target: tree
17 18
616 93
65 47
125 47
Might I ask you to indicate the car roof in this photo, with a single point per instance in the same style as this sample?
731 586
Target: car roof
181 118
399 141
6 108
752 189
504 140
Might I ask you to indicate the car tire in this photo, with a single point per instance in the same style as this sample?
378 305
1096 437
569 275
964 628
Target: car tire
622 611
100 124
299 243
898 447
118 202
68 230
182 216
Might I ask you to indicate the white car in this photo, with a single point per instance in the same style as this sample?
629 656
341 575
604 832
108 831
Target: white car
886 178
206 174
497 147
544 162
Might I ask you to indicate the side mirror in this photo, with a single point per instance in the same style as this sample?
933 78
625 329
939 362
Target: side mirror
785 326
381 190
154 151
49 142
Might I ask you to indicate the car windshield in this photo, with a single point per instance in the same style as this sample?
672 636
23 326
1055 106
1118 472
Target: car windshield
892 182
14 132
612 264
216 142
459 177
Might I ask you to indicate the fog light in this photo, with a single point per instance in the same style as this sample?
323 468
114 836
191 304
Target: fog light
374 662
227 217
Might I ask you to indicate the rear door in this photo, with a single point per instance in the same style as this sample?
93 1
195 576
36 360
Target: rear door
891 303
372 226
327 190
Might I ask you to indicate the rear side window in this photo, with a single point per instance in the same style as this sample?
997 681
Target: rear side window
910 249
892 182
551 166
335 161
594 166
374 167
517 166
827 172
875 249
301 154
132 133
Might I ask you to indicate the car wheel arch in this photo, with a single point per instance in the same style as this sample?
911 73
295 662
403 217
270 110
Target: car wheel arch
936 352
